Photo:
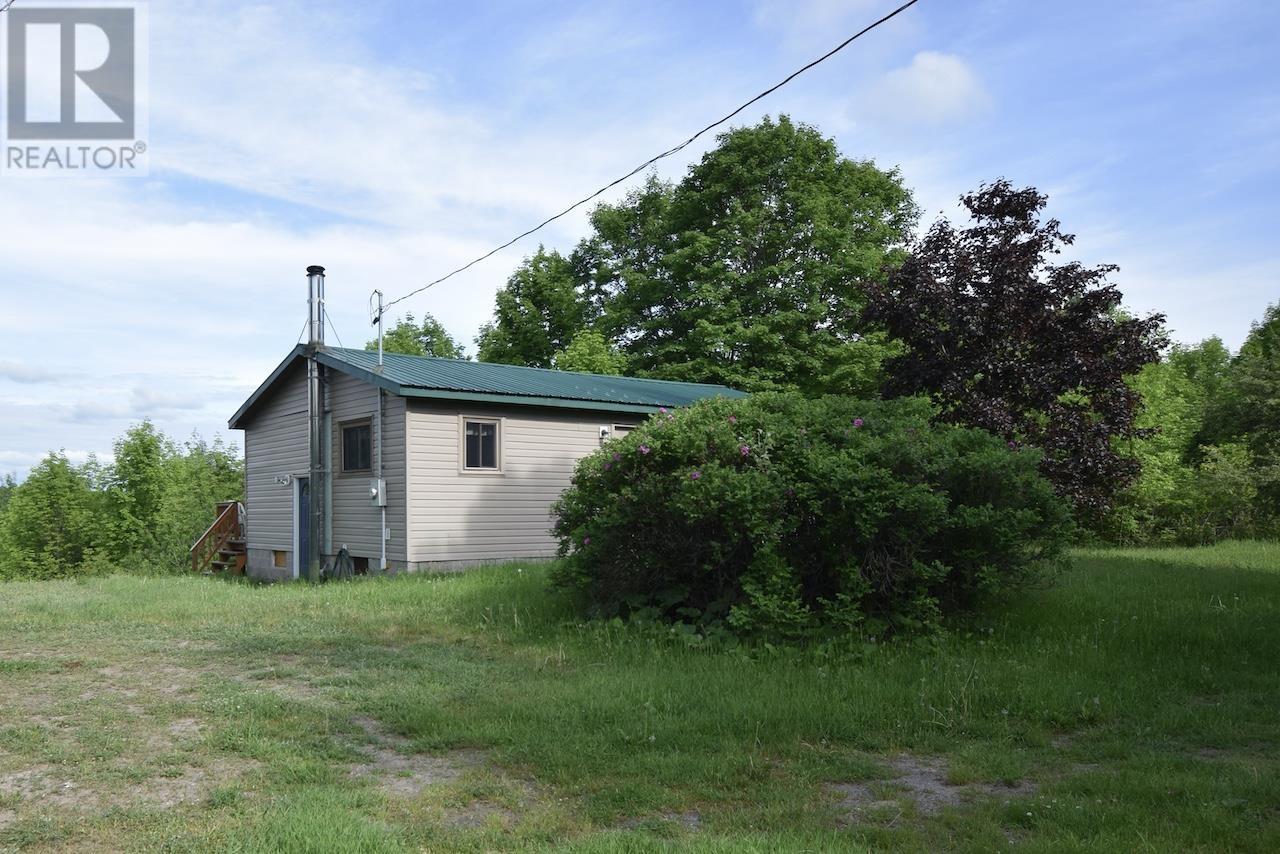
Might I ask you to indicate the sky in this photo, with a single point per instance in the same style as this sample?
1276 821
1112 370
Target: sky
393 141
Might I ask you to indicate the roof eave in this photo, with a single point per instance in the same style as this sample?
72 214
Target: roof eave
372 377
236 421
527 400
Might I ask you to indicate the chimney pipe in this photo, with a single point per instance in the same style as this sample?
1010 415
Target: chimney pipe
315 303
318 429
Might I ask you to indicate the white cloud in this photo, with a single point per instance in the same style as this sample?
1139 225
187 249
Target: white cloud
21 372
149 402
808 24
935 89
23 461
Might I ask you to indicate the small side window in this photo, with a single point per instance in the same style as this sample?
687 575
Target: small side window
357 447
620 430
480 445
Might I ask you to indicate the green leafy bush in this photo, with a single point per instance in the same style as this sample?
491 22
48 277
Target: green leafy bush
141 512
785 517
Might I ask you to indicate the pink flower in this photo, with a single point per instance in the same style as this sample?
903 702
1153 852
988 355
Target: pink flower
857 422
644 449
662 409
1012 444
608 466
616 456
733 419
695 475
586 541
745 450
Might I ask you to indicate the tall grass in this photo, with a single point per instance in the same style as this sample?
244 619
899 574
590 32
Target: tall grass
1138 692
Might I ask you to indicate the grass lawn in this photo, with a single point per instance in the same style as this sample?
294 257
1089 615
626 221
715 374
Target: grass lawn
1132 705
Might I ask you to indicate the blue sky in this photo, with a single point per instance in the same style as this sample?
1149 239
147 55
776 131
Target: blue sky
391 141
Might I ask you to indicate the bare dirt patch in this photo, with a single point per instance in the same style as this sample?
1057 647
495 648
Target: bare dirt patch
403 773
283 683
922 781
151 676
479 814
48 787
192 784
185 728
36 782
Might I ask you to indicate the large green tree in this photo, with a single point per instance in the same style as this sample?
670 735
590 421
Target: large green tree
135 484
1250 405
410 337
751 271
539 312
1170 501
1249 409
51 524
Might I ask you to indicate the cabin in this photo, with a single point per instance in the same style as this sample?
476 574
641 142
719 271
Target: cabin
420 463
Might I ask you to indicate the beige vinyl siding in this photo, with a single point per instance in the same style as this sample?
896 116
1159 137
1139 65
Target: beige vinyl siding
465 516
356 520
275 444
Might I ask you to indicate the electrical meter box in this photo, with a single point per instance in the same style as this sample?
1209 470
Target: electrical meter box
378 492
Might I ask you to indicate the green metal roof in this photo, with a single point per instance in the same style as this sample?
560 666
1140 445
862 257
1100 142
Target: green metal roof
457 379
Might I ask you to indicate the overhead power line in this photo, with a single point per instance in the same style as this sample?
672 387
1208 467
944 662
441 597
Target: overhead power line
652 160
4 6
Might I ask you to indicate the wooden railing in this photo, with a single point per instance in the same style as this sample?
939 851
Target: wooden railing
228 526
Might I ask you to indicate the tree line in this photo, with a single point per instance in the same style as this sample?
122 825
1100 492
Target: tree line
139 512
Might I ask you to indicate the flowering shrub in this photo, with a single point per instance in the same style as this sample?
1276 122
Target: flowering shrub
786 517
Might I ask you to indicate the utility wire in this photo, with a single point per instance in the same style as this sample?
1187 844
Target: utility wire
4 7
652 160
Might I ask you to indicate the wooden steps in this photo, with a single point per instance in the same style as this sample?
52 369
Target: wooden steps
221 548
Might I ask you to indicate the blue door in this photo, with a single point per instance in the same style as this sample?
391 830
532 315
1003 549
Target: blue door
303 527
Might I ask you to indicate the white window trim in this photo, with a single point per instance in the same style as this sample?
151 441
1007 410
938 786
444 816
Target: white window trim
501 424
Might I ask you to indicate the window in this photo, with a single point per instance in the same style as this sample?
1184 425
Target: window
357 447
620 430
278 558
480 445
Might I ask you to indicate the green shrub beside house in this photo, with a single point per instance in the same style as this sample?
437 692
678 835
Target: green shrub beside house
785 517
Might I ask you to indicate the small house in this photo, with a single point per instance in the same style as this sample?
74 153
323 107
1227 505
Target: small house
421 463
